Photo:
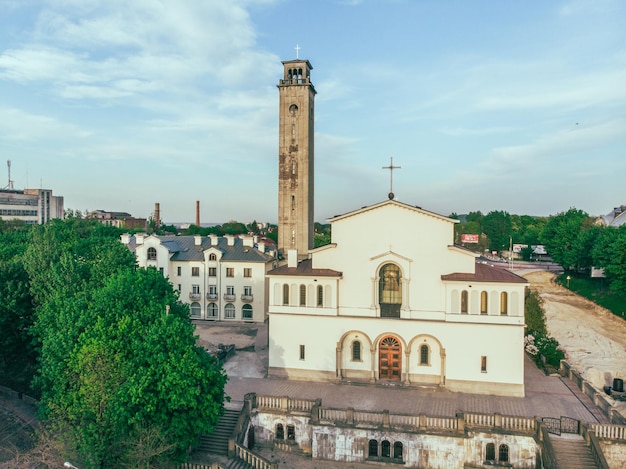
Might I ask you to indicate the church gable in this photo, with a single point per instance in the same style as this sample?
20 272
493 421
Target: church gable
412 243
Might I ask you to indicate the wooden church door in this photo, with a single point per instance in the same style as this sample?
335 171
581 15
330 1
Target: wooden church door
389 359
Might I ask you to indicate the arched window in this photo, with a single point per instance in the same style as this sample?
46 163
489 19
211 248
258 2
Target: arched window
504 303
320 295
195 309
280 431
212 257
490 452
246 311
372 450
390 291
385 449
424 355
356 351
302 295
503 453
464 301
152 254
397 450
483 302
229 311
285 294
211 310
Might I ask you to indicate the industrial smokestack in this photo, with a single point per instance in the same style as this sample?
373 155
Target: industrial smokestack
157 215
197 213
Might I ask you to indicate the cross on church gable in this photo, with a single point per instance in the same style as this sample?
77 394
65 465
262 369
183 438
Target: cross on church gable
391 167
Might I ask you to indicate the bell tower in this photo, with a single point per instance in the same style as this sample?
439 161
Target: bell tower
295 159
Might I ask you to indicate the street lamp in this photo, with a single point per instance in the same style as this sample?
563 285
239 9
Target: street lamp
568 279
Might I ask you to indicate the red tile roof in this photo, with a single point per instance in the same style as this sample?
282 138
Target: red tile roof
304 269
486 273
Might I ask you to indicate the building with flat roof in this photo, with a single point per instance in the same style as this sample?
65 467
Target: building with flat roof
32 206
118 219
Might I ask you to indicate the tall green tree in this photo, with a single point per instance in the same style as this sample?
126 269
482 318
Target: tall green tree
119 373
609 253
135 366
497 226
17 360
561 236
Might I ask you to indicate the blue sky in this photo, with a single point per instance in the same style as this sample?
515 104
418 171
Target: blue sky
486 105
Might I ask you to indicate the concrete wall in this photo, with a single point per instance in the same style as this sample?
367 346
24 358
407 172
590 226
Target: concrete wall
419 449
614 453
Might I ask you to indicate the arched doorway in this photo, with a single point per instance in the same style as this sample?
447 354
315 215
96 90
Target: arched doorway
390 359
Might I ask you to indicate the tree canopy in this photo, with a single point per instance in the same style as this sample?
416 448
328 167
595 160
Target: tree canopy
120 378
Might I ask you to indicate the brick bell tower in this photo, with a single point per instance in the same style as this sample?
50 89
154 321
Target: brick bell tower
295 159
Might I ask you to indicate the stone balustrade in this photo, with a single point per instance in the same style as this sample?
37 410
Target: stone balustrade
253 460
609 432
358 418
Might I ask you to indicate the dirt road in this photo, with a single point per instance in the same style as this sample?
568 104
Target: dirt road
594 338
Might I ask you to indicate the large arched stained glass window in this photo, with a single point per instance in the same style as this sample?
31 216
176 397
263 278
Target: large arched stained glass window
390 291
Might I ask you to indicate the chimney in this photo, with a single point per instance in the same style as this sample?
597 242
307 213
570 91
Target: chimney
261 246
157 215
139 238
197 213
292 258
197 240
248 241
230 239
125 238
213 238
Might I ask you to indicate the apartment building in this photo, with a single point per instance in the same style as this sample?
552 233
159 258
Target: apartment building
221 278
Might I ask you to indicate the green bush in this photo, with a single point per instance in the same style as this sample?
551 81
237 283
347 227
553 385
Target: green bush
534 314
540 345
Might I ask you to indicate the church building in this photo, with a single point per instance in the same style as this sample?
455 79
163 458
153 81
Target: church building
391 300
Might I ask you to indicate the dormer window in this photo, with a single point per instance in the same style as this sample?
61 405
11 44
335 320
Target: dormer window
212 257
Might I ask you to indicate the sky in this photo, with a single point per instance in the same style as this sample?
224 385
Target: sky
486 105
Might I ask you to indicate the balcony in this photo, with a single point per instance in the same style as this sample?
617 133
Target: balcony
229 297
249 297
195 296
211 296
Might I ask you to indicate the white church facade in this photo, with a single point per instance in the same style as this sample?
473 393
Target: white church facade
392 300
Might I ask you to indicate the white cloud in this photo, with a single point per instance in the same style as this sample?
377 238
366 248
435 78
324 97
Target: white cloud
18 125
465 131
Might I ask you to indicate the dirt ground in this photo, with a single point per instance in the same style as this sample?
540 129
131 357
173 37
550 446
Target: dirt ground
250 341
210 335
593 337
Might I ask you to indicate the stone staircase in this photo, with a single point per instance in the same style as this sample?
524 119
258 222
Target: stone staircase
217 442
572 452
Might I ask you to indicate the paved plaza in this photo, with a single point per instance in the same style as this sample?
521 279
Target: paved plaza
546 396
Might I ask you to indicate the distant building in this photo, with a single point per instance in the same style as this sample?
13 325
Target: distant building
32 206
615 217
118 219
221 278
